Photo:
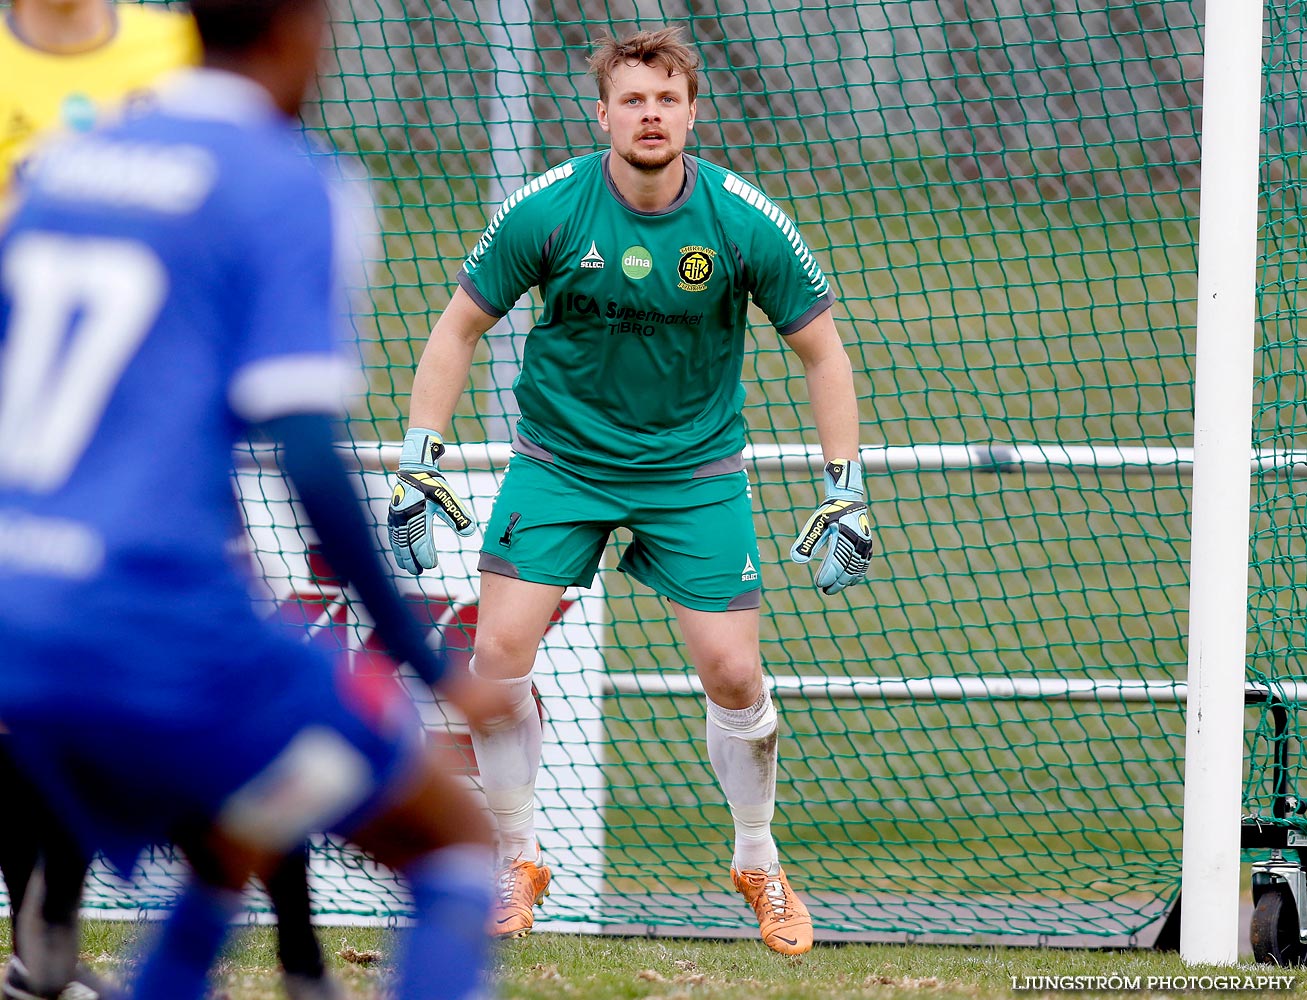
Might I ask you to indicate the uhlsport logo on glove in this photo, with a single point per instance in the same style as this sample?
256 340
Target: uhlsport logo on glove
831 511
436 490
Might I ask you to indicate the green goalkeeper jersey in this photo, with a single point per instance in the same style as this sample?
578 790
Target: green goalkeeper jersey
633 370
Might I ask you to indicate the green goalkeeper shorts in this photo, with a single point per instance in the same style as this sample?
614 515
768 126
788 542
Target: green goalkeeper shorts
692 541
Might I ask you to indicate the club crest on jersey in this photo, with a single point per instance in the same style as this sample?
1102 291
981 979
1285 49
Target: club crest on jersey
695 268
593 259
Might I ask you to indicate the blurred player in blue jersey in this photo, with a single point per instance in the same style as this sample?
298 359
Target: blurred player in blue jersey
71 64
165 287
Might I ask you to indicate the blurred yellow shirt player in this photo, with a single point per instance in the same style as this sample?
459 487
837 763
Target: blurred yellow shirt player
65 63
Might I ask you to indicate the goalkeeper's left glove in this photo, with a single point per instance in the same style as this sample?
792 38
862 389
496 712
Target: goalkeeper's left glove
420 495
842 521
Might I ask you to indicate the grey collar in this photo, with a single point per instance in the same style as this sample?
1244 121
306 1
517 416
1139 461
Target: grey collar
687 188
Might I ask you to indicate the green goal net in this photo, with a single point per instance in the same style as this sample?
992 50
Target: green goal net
985 741
1277 613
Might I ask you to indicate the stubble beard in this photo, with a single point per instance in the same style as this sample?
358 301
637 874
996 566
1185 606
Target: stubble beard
650 161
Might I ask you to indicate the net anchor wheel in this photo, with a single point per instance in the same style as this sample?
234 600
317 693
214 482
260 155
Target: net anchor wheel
1279 896
1279 883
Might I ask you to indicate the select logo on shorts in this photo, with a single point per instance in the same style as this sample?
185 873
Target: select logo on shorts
695 268
637 262
750 572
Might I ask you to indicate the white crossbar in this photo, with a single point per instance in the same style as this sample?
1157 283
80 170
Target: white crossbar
381 457
948 688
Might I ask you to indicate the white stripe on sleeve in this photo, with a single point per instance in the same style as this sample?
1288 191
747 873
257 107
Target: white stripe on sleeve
293 383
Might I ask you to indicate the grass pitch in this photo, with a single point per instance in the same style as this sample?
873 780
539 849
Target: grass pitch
576 967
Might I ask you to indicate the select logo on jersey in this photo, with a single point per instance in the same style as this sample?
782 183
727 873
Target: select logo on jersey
593 259
695 268
637 262
750 572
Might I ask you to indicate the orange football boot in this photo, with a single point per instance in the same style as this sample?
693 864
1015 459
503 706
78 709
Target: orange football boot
782 918
521 886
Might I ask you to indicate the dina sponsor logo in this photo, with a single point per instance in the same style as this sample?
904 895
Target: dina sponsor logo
637 263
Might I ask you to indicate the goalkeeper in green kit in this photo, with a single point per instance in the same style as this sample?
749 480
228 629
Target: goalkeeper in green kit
630 395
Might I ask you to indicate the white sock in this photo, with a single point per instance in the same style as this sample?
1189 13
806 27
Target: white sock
742 748
508 757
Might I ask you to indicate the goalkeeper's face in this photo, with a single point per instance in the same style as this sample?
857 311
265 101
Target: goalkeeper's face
648 115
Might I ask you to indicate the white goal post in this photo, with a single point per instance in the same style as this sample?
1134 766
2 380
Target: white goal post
1218 597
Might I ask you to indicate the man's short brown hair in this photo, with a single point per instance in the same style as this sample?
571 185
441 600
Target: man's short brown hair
663 48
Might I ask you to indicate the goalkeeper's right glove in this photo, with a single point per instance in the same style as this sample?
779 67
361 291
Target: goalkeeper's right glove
420 495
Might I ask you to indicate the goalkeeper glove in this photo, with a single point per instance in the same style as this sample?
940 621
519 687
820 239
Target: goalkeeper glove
842 521
421 494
